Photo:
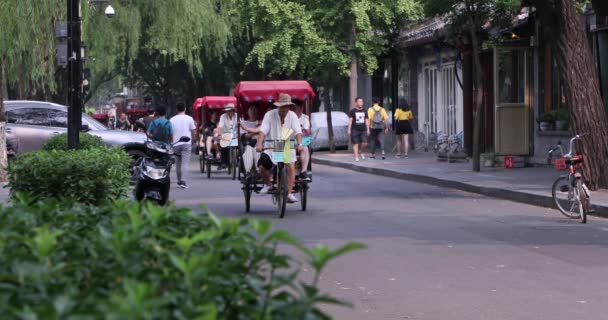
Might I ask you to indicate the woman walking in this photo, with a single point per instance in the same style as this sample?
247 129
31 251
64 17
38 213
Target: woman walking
403 118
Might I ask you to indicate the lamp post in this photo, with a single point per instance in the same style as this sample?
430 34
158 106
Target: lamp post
74 74
75 78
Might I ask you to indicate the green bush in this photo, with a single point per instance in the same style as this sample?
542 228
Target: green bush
60 142
88 176
133 261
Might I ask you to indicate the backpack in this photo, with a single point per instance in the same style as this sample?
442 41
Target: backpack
159 132
377 120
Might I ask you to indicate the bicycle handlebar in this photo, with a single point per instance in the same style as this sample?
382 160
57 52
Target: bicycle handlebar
571 147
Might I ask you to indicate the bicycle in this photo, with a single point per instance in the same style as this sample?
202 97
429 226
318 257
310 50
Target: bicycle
569 192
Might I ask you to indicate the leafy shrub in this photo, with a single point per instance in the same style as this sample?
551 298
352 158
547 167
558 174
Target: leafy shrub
60 142
88 176
138 261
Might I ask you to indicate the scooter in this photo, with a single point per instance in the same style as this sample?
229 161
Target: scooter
153 172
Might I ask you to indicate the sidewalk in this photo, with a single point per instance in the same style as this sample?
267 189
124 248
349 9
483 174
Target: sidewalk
526 185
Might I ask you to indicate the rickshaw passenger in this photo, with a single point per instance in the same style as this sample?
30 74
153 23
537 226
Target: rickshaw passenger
249 138
304 155
211 134
272 126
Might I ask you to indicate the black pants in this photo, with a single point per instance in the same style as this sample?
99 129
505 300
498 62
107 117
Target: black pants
376 138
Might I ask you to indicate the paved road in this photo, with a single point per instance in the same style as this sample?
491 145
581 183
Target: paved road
435 253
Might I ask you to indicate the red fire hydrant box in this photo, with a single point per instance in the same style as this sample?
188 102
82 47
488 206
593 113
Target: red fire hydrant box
514 162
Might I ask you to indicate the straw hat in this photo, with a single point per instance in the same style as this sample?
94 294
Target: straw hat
230 107
284 100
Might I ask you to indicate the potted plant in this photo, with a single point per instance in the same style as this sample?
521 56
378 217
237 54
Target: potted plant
561 119
546 121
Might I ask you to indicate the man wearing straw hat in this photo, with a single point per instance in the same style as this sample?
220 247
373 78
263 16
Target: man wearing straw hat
227 130
274 124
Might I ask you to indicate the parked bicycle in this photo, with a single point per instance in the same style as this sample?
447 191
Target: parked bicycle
570 194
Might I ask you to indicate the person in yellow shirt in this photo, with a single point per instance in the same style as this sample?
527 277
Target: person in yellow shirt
403 118
378 127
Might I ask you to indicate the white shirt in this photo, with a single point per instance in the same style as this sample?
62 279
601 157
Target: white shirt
226 124
182 125
305 122
272 127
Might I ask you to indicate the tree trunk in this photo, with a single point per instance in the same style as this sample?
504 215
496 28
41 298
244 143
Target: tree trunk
330 125
566 32
354 70
3 156
478 120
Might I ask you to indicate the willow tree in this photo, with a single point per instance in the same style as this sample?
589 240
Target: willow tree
27 53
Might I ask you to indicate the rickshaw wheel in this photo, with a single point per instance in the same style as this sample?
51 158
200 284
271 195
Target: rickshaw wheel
303 195
281 192
247 194
208 162
201 161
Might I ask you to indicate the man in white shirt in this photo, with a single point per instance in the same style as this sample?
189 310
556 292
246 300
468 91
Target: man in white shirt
227 124
271 128
305 153
182 125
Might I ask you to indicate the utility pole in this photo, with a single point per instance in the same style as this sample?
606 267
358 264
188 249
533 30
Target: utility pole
74 74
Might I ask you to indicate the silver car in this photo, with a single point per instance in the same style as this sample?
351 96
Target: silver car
32 123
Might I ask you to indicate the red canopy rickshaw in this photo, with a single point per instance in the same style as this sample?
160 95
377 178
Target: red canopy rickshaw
263 94
202 108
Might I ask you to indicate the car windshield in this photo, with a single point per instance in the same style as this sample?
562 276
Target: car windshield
93 124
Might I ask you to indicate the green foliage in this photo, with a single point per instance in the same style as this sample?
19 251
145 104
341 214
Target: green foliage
547 117
60 142
138 261
87 176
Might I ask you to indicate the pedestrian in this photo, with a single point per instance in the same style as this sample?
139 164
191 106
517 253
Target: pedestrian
403 128
123 123
358 128
160 129
149 118
378 127
183 126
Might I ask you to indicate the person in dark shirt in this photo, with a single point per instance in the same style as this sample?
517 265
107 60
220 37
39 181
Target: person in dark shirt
358 128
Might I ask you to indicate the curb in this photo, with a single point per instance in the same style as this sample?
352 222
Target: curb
505 194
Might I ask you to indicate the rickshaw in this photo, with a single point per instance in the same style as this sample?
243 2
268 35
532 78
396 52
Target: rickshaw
202 108
262 94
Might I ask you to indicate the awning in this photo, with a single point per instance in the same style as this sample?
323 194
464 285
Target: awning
213 102
251 91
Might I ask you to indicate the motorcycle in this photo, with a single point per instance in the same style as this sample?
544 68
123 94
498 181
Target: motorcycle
153 172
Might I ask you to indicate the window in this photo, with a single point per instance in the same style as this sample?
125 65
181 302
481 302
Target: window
28 116
511 76
555 94
58 118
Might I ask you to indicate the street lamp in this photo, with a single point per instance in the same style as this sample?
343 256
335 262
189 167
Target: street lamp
75 77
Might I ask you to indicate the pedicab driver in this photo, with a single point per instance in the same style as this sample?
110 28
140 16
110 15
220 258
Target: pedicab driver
271 128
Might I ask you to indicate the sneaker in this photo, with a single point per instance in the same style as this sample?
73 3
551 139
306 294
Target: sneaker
372 156
362 157
397 156
266 190
291 198
183 185
304 176
383 157
356 159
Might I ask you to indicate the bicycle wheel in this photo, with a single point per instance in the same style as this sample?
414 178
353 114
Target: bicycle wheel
303 195
281 191
583 201
564 196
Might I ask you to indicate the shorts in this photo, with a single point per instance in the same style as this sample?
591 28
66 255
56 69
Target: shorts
404 127
265 161
358 136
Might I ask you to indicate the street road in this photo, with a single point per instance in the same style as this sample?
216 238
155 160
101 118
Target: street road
435 253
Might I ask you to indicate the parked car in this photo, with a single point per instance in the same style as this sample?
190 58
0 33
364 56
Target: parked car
32 123
319 130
